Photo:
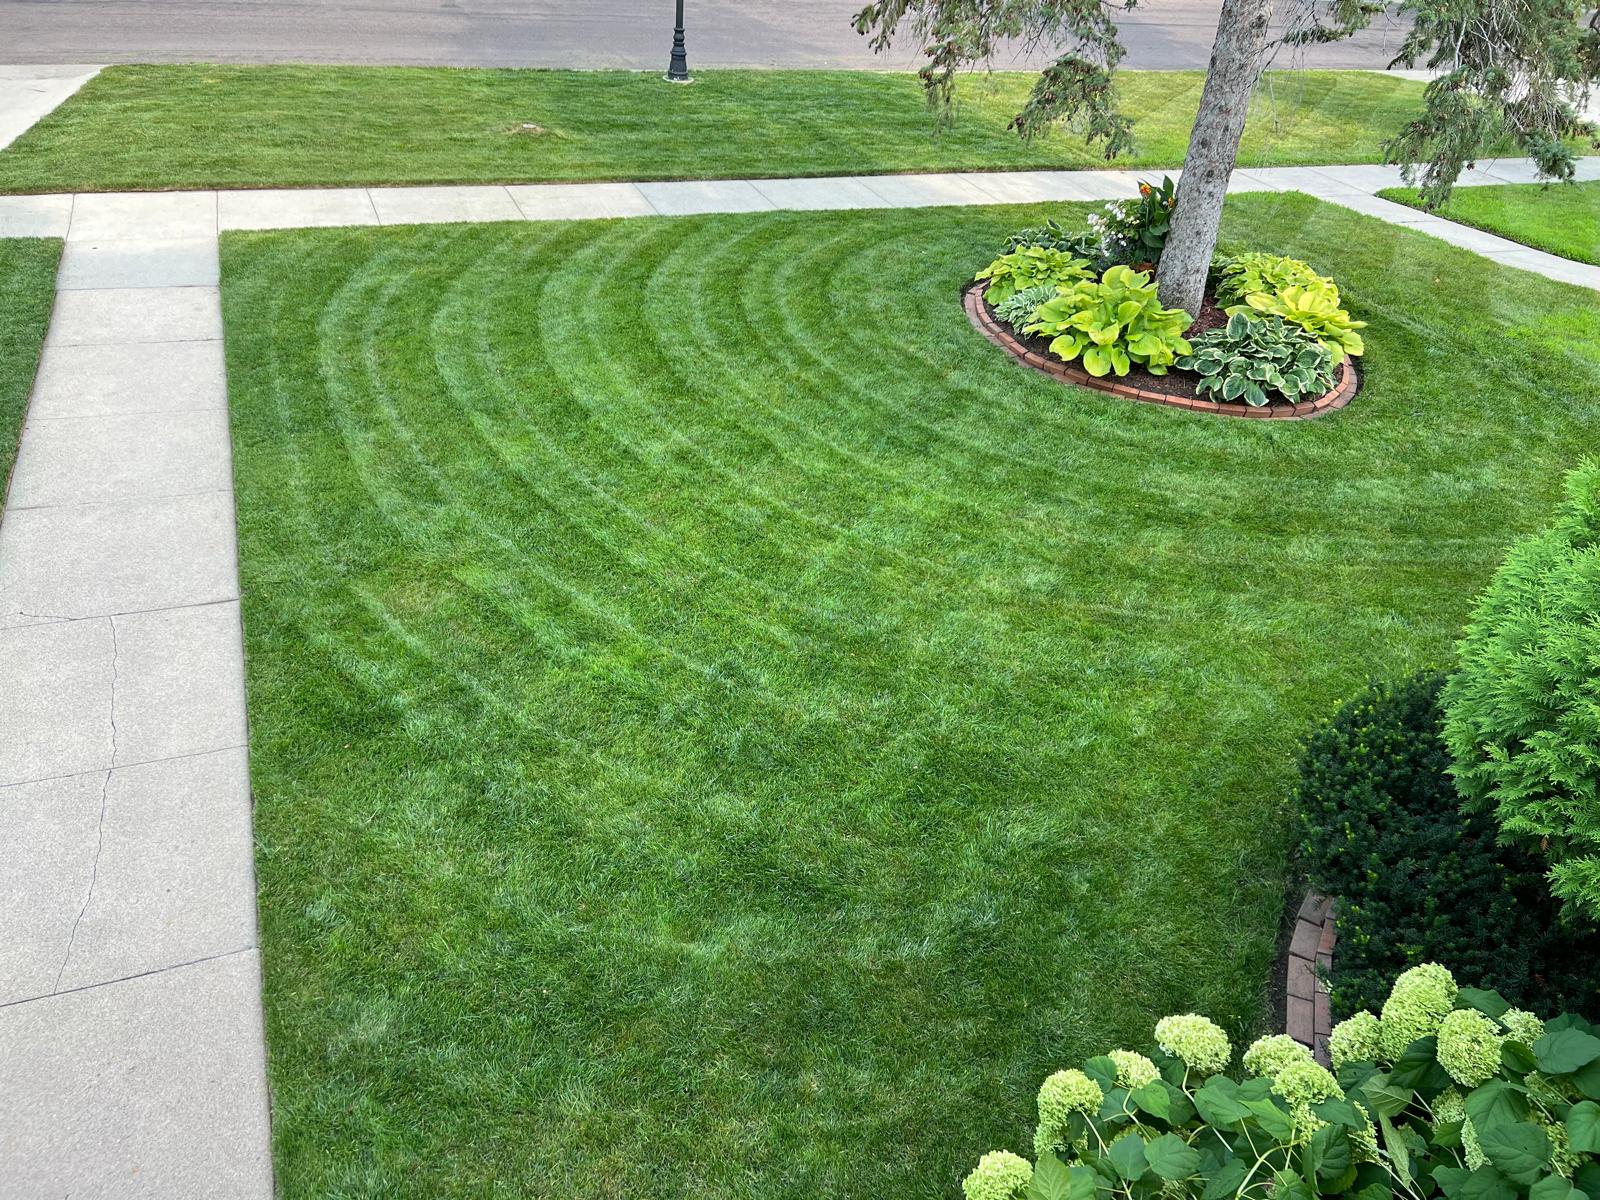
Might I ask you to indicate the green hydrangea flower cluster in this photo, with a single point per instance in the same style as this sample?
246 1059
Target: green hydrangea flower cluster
1450 1106
1061 1095
1134 1070
1303 1083
1271 1054
1198 1041
1417 1005
999 1175
1562 1159
1355 1039
1469 1047
1522 1026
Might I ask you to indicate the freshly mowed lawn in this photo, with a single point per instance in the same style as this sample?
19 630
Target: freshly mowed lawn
27 292
1563 218
721 729
161 127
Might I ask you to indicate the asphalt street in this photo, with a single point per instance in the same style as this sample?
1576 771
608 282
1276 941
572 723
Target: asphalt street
550 33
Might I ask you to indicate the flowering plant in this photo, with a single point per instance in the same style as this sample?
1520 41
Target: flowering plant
1133 231
1448 1092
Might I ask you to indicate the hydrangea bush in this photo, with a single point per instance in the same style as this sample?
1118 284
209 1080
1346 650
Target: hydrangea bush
1449 1092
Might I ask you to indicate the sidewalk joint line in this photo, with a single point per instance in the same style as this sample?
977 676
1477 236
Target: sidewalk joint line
89 987
126 766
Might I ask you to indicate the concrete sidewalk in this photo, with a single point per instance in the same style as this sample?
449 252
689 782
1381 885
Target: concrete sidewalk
29 93
132 1059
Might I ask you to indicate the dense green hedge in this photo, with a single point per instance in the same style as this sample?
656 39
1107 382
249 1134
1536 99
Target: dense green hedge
1417 878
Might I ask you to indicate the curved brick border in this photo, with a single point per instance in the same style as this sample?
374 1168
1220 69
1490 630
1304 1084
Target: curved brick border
983 320
1307 1018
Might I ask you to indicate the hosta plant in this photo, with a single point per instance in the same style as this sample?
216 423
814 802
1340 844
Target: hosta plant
1113 323
1242 275
1053 235
1447 1093
1315 308
1017 309
1031 266
1253 356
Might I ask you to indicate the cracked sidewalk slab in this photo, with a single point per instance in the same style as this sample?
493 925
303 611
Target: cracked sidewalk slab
124 872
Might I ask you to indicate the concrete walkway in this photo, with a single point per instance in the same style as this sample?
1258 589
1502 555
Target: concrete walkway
131 1046
29 93
131 1049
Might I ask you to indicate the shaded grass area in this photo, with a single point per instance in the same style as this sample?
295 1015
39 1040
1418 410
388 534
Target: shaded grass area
155 127
1561 218
721 728
27 293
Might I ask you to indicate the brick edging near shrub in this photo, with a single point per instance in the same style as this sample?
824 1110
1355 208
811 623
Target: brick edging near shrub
983 320
1307 1016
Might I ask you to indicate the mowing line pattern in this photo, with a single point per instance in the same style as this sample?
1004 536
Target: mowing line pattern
719 728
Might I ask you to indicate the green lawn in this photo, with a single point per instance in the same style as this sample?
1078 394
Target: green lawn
1563 218
27 292
156 127
721 729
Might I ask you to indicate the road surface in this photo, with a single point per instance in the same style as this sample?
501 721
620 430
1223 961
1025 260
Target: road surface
548 33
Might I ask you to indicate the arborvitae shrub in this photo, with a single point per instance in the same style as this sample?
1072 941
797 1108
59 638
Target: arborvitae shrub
1522 715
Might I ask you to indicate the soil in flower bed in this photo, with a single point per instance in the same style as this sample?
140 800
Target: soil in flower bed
1174 383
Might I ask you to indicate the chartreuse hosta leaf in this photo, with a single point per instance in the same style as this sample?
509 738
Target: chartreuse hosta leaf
1112 324
1316 309
1030 267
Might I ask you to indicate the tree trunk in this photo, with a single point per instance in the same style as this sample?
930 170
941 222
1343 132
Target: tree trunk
1236 58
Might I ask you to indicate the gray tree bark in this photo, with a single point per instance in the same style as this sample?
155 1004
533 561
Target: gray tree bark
1236 59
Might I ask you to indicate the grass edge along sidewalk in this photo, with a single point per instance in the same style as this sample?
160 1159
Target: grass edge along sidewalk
134 128
27 295
1559 218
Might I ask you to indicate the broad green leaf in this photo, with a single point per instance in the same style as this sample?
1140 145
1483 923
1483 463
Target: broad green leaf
1096 361
1271 1118
1217 1100
1385 1096
1226 1181
1519 1149
1450 1179
1495 1103
1550 1187
1566 1050
1154 1099
1583 1127
1328 1155
1587 1080
1103 1070
1171 1157
1485 1183
1491 1004
1126 1156
1051 1179
1517 1058
1340 1112
1418 1067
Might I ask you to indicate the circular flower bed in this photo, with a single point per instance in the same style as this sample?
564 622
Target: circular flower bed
1177 389
1272 339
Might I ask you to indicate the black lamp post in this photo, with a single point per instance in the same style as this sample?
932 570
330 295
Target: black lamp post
678 71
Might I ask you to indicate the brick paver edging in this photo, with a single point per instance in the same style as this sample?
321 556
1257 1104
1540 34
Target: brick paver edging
984 321
1307 1017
